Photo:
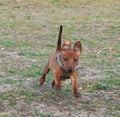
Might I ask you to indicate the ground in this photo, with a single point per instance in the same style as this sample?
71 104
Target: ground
28 35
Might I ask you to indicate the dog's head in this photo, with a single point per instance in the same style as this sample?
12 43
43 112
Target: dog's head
70 57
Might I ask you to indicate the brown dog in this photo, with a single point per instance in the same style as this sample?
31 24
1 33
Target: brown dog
63 63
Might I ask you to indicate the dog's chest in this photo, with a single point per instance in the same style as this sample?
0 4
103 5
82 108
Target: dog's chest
64 76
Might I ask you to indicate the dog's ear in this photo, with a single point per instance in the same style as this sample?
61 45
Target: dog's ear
66 45
78 48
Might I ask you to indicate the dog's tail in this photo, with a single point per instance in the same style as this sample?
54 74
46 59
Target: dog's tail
59 39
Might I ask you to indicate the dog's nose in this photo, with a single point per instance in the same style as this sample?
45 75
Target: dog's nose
70 69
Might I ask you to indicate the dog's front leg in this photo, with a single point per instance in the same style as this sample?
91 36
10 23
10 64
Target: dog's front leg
45 71
75 85
57 81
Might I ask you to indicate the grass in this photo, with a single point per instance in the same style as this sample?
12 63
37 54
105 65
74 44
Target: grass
31 71
13 82
97 86
104 84
8 42
115 115
31 53
28 35
38 114
51 45
54 1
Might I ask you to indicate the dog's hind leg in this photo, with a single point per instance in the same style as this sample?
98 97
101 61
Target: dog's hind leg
45 71
53 83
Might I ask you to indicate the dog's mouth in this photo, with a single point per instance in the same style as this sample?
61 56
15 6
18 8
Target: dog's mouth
69 69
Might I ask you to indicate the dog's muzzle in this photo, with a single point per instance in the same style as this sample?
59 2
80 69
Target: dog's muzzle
70 69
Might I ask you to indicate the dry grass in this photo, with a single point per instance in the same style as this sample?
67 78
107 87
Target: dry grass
28 34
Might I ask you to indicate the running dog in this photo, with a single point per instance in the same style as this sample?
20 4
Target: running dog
63 63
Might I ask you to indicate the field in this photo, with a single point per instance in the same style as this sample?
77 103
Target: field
28 35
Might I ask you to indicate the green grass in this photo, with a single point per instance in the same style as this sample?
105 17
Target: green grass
6 115
40 114
30 29
115 115
31 53
104 84
13 82
51 45
8 42
12 71
14 96
32 71
97 86
54 1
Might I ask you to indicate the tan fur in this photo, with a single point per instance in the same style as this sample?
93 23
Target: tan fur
69 58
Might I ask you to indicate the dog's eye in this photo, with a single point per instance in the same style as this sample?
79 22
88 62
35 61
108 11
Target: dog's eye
75 59
65 59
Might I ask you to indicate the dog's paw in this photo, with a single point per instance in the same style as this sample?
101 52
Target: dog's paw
76 95
39 83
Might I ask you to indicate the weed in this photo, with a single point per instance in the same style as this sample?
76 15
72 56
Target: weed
112 115
43 54
13 71
32 71
14 82
51 45
12 24
31 53
40 114
6 115
26 92
109 72
112 32
16 7
97 86
1 3
54 1
68 6
10 96
8 43
10 81
67 89
111 80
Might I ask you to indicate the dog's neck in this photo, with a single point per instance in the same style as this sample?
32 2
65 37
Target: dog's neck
59 61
